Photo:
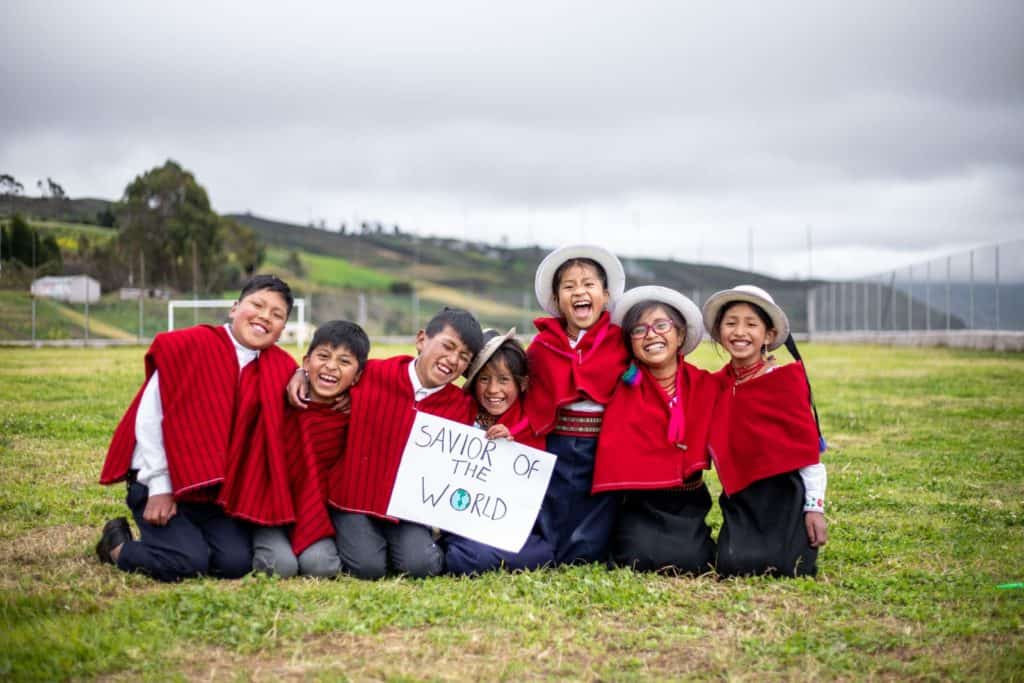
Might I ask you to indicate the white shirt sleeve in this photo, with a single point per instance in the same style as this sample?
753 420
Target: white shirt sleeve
149 456
815 481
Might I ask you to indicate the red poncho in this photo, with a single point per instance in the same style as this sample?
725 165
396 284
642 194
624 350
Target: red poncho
560 374
314 443
762 427
214 421
383 410
645 442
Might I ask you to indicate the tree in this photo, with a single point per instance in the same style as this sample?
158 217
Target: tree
294 264
10 186
166 215
56 191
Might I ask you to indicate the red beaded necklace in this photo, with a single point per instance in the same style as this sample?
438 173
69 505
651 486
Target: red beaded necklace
743 374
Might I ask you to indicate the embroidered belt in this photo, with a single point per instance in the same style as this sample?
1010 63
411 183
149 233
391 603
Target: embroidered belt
578 423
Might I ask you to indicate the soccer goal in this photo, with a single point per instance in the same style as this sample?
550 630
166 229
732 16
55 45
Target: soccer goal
206 311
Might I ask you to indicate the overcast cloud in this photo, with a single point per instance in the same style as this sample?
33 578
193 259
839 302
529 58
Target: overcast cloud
893 131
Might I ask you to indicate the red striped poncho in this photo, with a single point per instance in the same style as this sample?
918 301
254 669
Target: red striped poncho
383 411
646 441
762 427
212 416
560 374
314 443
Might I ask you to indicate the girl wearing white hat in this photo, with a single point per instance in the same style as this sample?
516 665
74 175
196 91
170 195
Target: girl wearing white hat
765 442
498 378
575 362
653 446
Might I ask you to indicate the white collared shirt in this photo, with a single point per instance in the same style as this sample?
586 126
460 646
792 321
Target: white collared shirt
149 456
583 405
420 392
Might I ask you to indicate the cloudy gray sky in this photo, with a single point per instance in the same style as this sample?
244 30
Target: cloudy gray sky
888 131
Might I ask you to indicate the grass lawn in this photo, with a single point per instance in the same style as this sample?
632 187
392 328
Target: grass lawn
926 515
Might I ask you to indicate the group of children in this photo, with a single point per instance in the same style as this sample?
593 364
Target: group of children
225 476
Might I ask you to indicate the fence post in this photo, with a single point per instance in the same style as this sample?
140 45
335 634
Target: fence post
910 298
810 313
971 309
867 306
928 296
949 309
87 292
997 288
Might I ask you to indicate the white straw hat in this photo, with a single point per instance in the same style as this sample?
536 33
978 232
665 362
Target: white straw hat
751 295
668 297
546 272
494 340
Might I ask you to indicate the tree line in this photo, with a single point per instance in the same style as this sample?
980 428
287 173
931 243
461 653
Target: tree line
166 235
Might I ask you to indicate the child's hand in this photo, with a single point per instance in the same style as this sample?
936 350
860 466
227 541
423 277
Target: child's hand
499 432
297 390
817 529
342 404
159 509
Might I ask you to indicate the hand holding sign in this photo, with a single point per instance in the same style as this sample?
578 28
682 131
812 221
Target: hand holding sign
453 477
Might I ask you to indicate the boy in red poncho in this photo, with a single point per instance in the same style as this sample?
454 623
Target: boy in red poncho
765 442
575 363
497 379
653 445
211 395
384 405
314 441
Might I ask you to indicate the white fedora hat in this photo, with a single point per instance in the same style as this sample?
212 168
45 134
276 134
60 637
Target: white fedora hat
668 297
492 342
546 272
751 295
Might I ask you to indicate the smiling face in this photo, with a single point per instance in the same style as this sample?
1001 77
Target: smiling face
331 370
258 320
581 297
495 387
442 357
659 340
743 333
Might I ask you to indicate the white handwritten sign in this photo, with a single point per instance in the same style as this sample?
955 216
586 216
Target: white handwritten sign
454 478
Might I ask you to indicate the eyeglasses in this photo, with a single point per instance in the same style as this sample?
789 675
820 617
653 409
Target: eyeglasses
660 326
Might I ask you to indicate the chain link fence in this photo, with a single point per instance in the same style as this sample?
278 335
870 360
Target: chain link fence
980 290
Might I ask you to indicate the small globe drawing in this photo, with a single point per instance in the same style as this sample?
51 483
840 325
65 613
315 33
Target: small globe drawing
460 499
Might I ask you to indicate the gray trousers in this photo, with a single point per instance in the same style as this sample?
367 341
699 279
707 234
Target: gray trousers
368 547
272 554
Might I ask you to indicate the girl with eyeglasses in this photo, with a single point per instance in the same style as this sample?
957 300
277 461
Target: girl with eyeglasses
653 446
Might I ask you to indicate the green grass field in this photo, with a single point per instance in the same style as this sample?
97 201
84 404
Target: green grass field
926 515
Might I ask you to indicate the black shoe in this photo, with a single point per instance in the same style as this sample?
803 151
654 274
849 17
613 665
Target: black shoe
115 532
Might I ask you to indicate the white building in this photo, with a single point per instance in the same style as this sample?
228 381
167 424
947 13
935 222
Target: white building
75 289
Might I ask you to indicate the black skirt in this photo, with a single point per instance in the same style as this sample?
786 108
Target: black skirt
763 530
664 530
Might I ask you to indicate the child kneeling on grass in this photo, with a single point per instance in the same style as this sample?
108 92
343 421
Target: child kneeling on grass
765 442
653 445
497 379
314 441
207 391
384 405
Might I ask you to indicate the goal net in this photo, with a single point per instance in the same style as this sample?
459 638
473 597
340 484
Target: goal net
188 312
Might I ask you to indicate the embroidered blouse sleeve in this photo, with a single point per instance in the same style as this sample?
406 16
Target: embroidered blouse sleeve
815 482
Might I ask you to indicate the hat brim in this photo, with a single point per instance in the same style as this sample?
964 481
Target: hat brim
546 272
668 297
488 350
716 301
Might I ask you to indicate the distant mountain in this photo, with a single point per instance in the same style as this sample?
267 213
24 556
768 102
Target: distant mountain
84 210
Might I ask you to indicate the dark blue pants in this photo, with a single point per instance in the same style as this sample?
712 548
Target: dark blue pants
199 539
576 524
464 556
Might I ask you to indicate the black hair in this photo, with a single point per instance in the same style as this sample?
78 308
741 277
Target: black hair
342 333
269 282
566 265
765 318
462 322
510 351
637 311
